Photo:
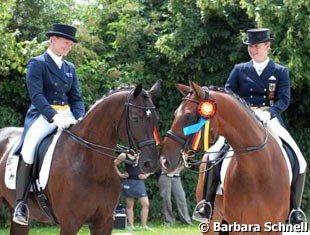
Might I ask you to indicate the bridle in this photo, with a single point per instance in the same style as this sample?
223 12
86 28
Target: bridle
184 142
134 146
187 153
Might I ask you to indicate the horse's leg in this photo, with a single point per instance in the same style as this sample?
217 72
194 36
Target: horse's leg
68 225
102 226
102 223
68 230
17 229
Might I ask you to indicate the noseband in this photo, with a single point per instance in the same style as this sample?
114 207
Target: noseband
181 141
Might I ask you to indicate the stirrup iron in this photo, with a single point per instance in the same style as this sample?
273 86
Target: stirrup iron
301 211
198 211
19 219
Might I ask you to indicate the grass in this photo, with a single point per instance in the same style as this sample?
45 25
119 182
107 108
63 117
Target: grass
157 229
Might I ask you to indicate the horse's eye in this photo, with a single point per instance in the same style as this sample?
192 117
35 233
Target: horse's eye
189 118
134 118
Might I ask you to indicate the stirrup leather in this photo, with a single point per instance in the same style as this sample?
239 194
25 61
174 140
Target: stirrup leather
22 220
299 210
198 211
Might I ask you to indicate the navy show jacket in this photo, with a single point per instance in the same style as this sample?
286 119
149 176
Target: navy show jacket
245 82
48 85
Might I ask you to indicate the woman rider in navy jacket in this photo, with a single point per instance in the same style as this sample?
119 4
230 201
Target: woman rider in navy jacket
56 102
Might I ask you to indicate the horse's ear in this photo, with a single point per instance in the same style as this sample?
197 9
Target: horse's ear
183 89
137 90
197 90
156 88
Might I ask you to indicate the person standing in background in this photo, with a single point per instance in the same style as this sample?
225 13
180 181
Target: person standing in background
171 184
133 187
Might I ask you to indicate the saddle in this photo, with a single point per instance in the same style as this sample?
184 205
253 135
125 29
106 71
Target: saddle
224 158
40 153
40 172
293 161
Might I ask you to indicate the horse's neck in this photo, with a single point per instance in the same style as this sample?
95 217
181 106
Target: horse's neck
243 131
100 124
241 135
99 128
94 161
239 126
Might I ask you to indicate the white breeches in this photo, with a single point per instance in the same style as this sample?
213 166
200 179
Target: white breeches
37 131
277 130
216 148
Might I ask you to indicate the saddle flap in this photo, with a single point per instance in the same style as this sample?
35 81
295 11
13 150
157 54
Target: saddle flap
40 153
12 164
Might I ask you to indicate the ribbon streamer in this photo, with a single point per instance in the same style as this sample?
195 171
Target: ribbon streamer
195 127
156 136
206 136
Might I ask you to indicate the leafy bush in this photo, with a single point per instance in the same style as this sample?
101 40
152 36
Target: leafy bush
10 117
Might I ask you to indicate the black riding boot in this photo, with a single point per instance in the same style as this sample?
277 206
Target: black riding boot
204 209
21 213
297 216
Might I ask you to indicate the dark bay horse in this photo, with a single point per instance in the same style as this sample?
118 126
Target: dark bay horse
256 186
83 187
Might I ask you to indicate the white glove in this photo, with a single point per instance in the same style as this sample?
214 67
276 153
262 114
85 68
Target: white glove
263 116
63 122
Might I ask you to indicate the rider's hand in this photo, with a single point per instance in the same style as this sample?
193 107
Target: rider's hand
63 122
263 116
71 121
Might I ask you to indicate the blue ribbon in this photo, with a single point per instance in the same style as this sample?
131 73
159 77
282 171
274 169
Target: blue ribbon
195 127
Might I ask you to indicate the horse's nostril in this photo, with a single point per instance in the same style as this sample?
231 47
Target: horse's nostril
166 164
147 164
148 167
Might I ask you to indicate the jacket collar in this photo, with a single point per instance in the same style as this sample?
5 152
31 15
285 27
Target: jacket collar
52 66
261 80
57 59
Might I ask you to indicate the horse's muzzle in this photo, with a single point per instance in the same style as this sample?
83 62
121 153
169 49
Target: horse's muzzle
163 162
148 166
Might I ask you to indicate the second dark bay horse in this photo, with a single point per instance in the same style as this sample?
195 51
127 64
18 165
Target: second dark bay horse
256 186
83 187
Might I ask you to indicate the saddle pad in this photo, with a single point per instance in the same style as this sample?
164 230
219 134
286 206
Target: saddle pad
226 163
12 163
